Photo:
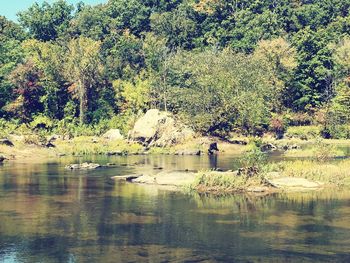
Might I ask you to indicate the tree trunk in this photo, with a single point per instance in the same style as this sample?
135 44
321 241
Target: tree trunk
82 104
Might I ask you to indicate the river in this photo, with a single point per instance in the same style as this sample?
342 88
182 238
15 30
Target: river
49 214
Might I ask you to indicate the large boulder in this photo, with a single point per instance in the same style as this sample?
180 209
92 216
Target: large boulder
113 134
158 128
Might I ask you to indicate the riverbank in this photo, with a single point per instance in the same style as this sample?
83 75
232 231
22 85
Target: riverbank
23 150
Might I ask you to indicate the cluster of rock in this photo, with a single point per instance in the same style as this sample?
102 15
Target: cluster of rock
269 147
83 166
273 180
160 129
173 178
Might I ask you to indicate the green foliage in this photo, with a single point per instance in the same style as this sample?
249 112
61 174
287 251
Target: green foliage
47 22
253 158
303 132
41 122
324 152
220 65
222 182
217 90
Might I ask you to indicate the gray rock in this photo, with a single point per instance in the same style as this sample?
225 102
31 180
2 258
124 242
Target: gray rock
2 158
129 177
268 147
83 166
144 179
175 178
257 189
113 134
293 182
158 128
6 142
189 152
291 147
115 153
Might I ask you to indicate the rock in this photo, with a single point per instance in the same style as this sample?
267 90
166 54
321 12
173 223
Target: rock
239 142
188 152
129 177
49 145
54 137
293 182
248 171
113 134
257 189
2 158
213 147
115 153
268 147
6 142
144 179
291 147
175 178
160 129
83 166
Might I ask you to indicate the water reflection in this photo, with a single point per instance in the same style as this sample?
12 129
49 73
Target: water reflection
48 214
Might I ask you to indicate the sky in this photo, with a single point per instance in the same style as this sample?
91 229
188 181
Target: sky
10 8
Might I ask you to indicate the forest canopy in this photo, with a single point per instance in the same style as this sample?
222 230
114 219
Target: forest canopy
220 65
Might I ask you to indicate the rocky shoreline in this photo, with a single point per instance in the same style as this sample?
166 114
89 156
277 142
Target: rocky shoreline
271 183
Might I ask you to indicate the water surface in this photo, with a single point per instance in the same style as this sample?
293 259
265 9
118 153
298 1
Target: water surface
48 214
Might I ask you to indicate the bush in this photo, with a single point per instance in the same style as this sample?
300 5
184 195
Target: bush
278 126
336 132
42 122
303 132
253 159
324 152
298 119
35 139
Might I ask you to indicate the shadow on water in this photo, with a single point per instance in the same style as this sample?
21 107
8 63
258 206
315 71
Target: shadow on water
49 214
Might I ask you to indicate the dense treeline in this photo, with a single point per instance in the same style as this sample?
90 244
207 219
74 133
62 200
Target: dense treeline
221 65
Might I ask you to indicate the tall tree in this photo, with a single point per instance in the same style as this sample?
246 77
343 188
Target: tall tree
46 22
83 68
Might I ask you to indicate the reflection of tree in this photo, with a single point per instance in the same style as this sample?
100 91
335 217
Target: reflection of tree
55 212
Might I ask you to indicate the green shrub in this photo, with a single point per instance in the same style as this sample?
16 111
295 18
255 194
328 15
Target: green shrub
42 122
253 158
324 152
336 132
303 132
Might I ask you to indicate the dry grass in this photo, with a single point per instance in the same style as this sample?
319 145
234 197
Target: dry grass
223 182
336 173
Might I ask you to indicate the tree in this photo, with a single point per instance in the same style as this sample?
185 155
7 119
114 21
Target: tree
176 26
26 80
83 68
49 59
280 57
11 54
46 22
132 15
313 75
219 91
